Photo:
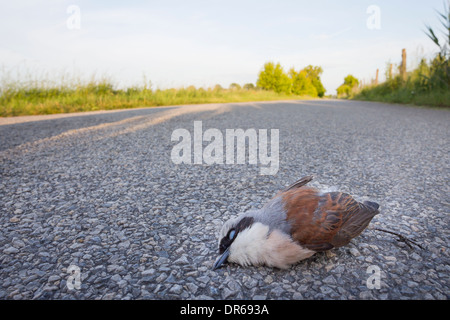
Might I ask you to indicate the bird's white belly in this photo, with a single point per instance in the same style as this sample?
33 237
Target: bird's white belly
256 246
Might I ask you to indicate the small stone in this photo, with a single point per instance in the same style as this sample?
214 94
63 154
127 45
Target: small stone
297 296
390 258
109 296
192 287
204 297
226 293
95 239
303 288
416 257
124 245
329 266
54 278
182 260
234 285
171 278
114 268
278 291
148 272
384 296
326 290
177 289
250 283
14 219
161 277
268 279
116 278
428 296
11 250
406 291
162 260
50 288
147 279
365 295
192 273
354 252
203 279
17 243
329 280
212 291
76 245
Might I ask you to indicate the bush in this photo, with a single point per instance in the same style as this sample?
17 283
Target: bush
273 77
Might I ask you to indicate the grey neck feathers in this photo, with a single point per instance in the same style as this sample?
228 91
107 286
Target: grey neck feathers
272 215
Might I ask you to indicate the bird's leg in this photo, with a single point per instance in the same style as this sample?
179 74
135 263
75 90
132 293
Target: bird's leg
402 238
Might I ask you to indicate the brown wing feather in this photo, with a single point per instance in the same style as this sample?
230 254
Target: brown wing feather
322 221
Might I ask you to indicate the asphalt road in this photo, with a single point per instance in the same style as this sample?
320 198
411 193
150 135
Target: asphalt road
92 205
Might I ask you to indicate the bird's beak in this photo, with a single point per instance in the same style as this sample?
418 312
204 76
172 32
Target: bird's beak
222 259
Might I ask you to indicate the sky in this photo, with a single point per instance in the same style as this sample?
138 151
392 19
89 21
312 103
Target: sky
203 43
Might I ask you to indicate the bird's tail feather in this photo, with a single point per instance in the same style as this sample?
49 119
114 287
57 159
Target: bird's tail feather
372 204
299 183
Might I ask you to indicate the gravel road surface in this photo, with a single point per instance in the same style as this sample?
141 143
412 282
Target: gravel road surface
93 207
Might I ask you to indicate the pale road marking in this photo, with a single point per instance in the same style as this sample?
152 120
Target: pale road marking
117 128
141 122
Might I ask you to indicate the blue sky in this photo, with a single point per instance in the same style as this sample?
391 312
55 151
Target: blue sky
203 43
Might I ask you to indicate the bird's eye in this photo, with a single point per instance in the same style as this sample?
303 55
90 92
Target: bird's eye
232 233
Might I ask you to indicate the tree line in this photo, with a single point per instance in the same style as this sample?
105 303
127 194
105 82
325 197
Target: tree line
299 82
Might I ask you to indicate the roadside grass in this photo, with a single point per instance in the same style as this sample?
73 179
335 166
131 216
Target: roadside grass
37 98
436 98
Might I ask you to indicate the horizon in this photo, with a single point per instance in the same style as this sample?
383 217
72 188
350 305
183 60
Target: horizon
204 43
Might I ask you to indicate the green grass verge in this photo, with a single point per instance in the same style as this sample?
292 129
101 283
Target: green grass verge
16 101
437 98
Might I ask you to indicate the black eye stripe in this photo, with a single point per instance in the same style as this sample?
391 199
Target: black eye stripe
241 225
244 224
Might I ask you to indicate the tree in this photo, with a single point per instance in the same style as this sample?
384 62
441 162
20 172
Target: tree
351 81
301 83
273 77
235 86
345 89
249 86
313 73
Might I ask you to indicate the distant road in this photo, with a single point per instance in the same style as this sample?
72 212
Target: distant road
99 191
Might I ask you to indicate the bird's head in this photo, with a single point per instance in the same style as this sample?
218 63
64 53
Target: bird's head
248 240
239 239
